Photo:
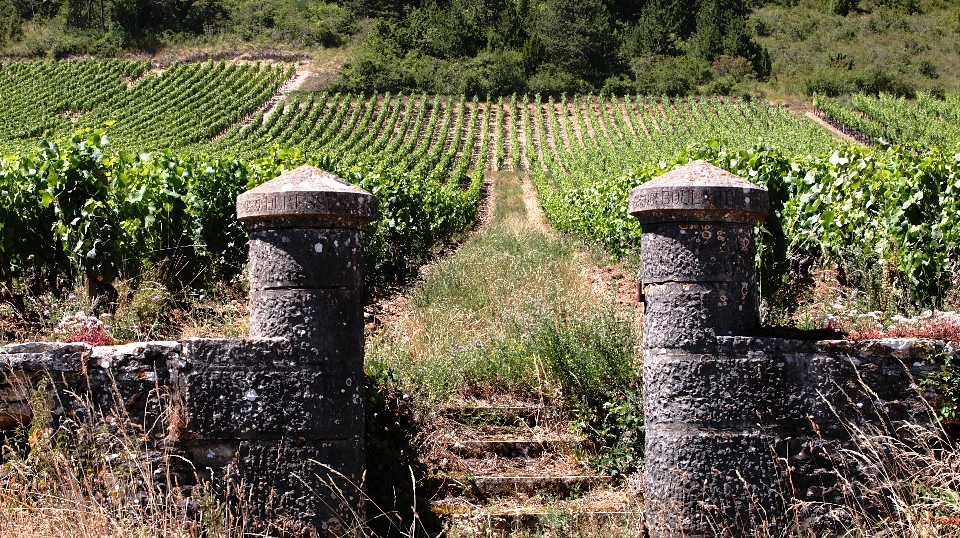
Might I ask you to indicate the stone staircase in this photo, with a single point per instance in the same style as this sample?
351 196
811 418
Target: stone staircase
516 469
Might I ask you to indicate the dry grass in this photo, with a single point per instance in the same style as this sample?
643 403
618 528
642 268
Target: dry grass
458 335
144 310
97 477
897 484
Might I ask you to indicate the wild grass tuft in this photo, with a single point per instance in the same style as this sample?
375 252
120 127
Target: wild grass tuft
96 476
485 320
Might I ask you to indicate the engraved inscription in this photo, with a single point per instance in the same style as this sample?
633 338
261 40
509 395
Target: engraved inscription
287 202
686 197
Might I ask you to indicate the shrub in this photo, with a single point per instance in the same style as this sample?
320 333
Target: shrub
618 86
82 328
551 82
669 75
826 81
591 356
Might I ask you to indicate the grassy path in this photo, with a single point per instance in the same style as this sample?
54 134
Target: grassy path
496 317
520 320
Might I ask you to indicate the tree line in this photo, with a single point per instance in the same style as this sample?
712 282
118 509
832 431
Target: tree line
550 47
474 47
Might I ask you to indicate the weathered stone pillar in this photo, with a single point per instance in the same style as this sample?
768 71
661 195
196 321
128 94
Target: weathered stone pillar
710 462
306 276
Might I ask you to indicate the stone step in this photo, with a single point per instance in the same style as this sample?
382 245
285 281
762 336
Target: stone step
507 448
558 486
487 524
503 415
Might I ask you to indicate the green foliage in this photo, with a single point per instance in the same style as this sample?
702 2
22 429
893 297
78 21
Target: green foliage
655 33
619 432
577 36
592 358
584 191
10 26
47 100
844 7
887 218
946 384
927 121
883 48
548 47
76 208
300 23
674 76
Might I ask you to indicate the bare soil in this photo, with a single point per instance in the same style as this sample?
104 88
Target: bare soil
833 130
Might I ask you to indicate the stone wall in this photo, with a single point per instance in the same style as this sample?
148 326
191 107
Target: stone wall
795 438
194 399
241 411
746 433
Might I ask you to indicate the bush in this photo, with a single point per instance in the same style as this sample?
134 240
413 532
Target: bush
591 356
618 86
724 86
876 81
929 69
669 75
551 82
825 81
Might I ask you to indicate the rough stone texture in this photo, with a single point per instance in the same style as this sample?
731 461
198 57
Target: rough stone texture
306 277
281 415
239 409
312 401
709 445
726 475
285 258
328 320
697 252
735 435
690 315
293 479
698 192
708 464
306 198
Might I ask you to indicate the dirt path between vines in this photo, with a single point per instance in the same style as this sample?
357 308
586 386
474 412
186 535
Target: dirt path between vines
604 277
833 130
290 85
531 201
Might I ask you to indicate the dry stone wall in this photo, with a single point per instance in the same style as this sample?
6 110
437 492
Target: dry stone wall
239 410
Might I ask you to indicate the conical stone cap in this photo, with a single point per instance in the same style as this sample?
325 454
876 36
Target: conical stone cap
699 191
306 197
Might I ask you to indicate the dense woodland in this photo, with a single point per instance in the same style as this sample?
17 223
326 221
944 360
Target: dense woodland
501 47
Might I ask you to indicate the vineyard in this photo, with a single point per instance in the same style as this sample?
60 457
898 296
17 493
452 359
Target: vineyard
155 188
927 121
184 104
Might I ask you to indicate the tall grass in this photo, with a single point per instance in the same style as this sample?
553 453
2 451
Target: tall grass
510 313
98 476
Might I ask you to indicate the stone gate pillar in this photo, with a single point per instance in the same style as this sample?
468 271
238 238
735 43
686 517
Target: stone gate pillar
710 462
306 460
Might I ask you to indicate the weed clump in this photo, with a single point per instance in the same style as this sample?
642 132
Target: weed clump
89 474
